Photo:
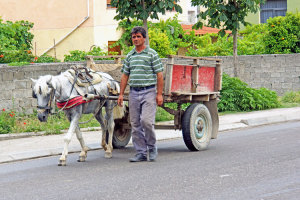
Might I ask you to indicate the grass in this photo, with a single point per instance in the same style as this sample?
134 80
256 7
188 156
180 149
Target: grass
30 123
11 122
18 64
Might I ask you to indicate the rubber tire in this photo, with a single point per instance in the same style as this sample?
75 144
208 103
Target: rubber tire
213 110
121 136
193 114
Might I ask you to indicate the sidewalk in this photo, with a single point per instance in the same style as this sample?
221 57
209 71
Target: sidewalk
15 147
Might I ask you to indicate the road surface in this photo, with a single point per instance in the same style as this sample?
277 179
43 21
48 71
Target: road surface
257 163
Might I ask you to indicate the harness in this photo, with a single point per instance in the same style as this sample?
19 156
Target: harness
75 101
48 107
79 77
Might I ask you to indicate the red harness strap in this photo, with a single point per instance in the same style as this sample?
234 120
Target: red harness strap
71 103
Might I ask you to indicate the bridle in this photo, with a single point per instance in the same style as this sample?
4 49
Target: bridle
48 107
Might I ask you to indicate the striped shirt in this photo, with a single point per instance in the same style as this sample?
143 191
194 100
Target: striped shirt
142 67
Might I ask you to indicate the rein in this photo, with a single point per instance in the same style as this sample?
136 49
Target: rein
48 108
78 73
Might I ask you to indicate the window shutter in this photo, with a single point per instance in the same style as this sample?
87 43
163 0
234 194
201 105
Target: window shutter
272 8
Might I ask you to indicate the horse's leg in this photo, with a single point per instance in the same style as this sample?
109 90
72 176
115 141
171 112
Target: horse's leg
73 115
84 148
102 122
110 124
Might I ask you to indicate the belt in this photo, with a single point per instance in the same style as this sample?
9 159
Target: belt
142 88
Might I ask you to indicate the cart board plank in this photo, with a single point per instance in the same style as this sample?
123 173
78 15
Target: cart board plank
182 79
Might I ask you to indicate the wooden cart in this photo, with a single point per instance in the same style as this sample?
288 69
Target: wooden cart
193 80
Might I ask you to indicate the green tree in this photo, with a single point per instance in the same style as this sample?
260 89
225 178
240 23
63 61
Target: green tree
283 34
15 41
228 15
143 9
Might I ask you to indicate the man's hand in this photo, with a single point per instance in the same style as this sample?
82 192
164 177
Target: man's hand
159 99
120 100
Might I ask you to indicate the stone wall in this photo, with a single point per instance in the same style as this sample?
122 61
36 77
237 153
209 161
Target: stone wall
280 73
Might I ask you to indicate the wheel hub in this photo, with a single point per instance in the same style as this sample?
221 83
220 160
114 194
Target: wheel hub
199 127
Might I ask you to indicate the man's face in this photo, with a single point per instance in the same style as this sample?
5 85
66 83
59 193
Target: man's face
137 39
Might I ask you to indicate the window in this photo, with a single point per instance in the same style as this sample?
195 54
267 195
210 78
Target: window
272 8
113 49
108 4
192 17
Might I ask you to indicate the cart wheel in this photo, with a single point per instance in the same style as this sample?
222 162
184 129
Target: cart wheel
121 135
122 131
196 127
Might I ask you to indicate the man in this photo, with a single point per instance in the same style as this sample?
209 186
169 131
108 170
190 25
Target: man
145 70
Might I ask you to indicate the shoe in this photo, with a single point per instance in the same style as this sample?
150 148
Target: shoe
138 158
152 154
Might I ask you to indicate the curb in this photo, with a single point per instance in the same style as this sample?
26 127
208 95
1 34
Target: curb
243 123
272 119
10 136
43 153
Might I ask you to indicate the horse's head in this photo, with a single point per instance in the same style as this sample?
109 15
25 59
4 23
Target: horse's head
43 91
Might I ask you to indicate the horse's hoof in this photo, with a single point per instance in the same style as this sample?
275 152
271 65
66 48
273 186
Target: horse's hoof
108 155
62 163
81 159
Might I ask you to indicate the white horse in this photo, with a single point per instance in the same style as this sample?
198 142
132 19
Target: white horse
47 87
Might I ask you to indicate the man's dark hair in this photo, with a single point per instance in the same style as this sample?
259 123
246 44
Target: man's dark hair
138 29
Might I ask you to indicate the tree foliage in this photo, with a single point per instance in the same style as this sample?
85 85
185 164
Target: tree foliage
15 41
160 42
143 9
150 8
228 14
170 27
284 34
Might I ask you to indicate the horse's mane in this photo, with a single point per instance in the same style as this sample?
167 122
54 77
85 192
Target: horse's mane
41 86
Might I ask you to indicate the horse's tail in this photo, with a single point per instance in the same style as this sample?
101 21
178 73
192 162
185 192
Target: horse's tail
118 112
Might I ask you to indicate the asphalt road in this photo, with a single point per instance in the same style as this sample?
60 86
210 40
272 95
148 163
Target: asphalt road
257 163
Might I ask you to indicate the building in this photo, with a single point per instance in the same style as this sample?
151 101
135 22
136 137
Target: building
273 8
64 25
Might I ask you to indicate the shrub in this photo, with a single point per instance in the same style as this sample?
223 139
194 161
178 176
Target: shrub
237 96
291 97
222 47
284 34
252 40
45 59
18 63
159 41
7 121
16 41
172 28
78 55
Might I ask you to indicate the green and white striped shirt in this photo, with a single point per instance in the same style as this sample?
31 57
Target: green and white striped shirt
142 67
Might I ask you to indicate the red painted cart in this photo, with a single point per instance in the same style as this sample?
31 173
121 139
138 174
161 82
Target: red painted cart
199 83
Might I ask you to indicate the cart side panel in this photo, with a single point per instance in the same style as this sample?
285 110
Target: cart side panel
182 79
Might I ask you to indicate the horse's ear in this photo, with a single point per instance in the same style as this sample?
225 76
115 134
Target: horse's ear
52 83
48 79
33 80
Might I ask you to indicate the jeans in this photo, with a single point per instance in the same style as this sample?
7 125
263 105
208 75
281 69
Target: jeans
142 109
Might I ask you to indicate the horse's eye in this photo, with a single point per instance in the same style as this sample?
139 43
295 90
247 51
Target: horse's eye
34 95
